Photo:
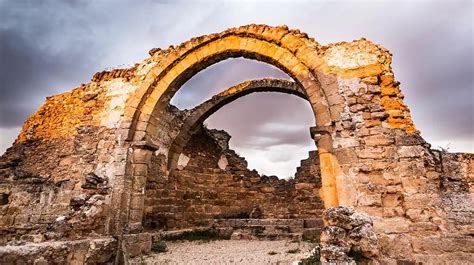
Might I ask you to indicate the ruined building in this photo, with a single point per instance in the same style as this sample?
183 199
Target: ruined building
97 171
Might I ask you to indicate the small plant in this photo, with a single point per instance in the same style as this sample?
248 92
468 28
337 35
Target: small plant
271 253
295 241
159 247
293 251
259 230
444 149
314 259
357 256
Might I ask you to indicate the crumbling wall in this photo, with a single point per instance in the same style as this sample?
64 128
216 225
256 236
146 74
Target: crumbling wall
206 188
85 251
57 195
56 181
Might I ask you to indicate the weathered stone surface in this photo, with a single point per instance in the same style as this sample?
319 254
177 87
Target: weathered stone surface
89 251
349 232
236 191
333 235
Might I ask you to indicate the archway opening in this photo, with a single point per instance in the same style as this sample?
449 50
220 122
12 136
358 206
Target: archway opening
147 112
212 185
270 131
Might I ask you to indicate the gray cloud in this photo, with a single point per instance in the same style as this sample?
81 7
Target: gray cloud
262 120
48 47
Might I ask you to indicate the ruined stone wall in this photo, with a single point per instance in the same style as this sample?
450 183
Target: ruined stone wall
391 173
56 181
56 195
203 190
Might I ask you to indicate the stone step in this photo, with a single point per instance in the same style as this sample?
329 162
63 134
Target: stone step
239 235
270 229
261 222
311 233
260 229
313 223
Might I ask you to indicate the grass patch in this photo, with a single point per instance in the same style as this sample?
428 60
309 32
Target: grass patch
159 247
271 253
198 235
293 251
357 256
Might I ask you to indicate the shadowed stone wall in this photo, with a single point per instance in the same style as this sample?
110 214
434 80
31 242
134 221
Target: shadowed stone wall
202 190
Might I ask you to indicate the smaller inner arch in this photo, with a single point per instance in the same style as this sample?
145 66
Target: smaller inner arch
226 73
200 113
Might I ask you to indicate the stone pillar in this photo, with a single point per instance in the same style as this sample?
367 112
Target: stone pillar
142 152
328 164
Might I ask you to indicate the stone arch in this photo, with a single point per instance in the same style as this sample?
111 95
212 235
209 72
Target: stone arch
289 50
201 112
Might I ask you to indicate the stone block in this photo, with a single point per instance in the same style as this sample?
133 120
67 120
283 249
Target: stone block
411 151
395 225
368 199
391 199
373 153
420 200
346 156
142 155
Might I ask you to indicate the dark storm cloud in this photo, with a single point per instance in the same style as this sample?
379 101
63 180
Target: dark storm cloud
261 120
27 75
48 47
36 60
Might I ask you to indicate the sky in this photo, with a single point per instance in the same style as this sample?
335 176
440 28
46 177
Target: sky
49 47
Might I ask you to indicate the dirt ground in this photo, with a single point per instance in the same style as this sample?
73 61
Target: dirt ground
229 252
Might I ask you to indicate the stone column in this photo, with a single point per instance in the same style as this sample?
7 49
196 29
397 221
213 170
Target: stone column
323 139
142 152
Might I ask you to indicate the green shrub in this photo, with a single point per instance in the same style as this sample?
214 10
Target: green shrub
293 251
159 247
314 259
357 256
271 253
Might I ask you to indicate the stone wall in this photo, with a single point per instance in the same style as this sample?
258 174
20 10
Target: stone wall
51 189
209 188
57 180
85 251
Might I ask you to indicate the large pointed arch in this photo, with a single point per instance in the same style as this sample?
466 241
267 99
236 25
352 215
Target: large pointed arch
290 51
